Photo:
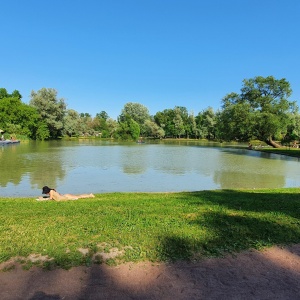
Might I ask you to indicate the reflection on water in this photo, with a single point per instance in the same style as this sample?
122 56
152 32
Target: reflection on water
99 166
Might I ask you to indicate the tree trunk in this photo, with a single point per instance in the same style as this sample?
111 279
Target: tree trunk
272 143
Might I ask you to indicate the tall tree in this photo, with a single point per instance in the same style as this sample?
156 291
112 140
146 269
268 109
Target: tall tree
293 132
3 93
175 122
17 117
102 115
51 109
262 110
153 130
138 112
178 122
191 128
128 128
164 119
206 123
16 94
72 123
100 124
112 126
86 124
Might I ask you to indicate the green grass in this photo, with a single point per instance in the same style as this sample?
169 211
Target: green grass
148 226
289 151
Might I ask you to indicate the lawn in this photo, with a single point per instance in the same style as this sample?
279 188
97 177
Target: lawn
289 151
122 227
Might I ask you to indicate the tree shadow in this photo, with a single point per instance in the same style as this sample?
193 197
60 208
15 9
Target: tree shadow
228 234
250 275
247 275
280 202
43 296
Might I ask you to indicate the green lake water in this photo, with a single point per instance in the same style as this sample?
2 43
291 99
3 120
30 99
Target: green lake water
86 166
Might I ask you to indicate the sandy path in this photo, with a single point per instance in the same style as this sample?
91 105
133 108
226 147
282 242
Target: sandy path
270 274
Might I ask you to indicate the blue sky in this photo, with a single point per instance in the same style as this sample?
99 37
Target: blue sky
100 55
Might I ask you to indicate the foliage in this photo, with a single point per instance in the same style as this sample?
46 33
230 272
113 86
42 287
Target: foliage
153 130
138 112
178 120
4 94
206 124
165 119
102 115
72 123
191 127
101 124
51 109
175 122
42 132
112 127
260 111
17 117
149 226
128 129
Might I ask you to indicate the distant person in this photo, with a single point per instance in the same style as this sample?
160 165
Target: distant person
2 137
54 195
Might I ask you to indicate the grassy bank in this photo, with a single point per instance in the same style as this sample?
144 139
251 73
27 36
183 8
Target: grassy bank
289 151
150 226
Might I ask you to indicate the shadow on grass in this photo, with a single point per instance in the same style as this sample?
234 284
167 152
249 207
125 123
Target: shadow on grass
284 203
236 221
231 234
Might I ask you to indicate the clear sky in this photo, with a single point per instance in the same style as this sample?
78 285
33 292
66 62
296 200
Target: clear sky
100 54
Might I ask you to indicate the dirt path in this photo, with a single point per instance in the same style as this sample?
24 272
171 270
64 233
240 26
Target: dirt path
270 274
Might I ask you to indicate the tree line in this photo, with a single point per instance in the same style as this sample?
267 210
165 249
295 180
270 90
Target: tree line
262 110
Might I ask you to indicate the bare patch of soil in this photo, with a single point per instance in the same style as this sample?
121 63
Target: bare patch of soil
270 274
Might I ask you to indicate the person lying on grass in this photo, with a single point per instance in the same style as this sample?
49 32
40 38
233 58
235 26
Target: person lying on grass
54 195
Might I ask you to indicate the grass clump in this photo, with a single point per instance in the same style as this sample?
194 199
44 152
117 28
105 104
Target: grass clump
122 227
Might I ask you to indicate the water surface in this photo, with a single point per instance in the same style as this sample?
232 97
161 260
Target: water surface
98 166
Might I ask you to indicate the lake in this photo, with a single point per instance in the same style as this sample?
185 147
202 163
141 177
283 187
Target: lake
96 166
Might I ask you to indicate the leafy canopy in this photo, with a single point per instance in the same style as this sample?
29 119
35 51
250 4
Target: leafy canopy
51 109
262 110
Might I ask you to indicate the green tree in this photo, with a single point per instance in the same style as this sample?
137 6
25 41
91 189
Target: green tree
112 126
138 112
100 124
206 123
178 122
165 120
102 115
16 94
42 132
3 93
86 124
51 109
153 130
293 130
191 128
72 123
128 129
17 117
175 122
260 111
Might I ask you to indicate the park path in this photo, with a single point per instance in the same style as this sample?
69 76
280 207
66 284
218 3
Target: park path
270 274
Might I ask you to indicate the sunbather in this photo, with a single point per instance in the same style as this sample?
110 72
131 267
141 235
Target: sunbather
54 195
